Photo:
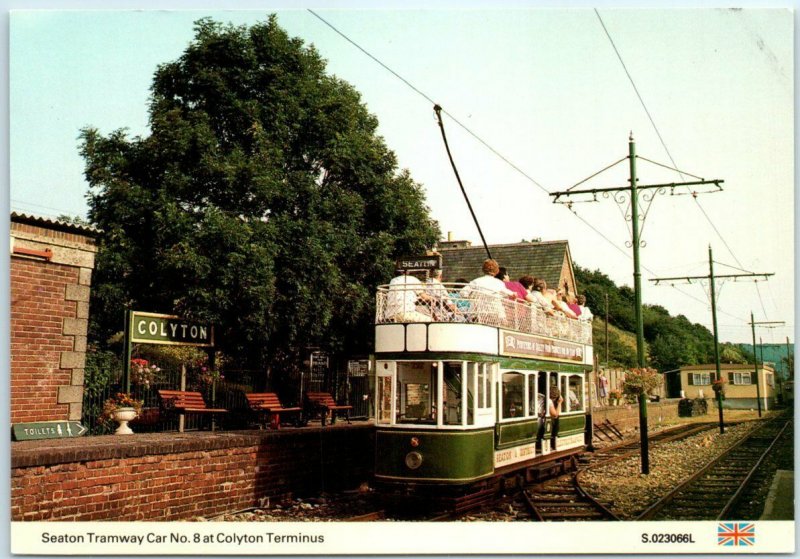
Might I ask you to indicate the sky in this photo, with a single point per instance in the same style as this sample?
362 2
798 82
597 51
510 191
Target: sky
536 100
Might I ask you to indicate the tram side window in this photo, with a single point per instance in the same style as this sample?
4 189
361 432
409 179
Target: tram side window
575 394
451 399
513 395
533 410
481 368
469 384
384 414
561 382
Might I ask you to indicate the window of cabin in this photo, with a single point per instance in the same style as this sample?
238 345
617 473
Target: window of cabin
741 378
770 380
701 379
513 395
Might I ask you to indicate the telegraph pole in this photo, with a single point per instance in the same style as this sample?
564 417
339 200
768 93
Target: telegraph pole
634 189
755 355
712 284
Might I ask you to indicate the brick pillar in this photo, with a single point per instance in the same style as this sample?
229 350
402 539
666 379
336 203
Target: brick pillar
51 271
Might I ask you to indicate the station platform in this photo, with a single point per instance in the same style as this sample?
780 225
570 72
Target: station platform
780 500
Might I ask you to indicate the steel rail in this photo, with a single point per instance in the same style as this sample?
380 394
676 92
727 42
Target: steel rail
660 504
752 472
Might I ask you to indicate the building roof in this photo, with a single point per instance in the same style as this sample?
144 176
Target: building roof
726 367
540 259
51 223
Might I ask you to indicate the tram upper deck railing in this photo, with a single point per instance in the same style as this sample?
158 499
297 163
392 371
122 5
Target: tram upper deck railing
451 303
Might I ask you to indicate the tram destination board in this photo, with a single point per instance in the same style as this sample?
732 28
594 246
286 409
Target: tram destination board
419 263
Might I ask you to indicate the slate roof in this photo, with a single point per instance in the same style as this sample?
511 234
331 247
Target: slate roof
539 259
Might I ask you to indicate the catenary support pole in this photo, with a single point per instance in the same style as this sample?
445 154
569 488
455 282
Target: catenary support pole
755 359
637 289
716 338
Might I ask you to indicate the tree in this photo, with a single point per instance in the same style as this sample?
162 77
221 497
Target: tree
263 201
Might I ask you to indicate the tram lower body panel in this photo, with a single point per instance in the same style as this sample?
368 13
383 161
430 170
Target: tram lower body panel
434 457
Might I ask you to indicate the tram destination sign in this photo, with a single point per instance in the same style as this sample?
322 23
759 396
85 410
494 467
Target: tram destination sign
152 328
525 345
47 430
411 263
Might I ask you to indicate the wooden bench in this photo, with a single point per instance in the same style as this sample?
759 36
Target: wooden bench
324 403
189 403
268 405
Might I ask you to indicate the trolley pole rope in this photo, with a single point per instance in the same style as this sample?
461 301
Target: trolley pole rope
438 110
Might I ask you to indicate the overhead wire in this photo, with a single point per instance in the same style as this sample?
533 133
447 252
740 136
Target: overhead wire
500 155
669 154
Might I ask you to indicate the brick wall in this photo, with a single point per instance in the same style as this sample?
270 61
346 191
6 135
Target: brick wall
49 318
626 417
167 476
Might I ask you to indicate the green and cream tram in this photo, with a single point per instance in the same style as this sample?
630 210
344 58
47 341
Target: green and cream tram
461 379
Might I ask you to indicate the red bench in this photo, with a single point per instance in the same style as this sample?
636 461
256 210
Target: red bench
323 403
189 403
268 406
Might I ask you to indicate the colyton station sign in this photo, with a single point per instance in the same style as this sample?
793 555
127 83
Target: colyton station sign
151 328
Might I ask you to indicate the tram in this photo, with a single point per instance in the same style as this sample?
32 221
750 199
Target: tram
461 378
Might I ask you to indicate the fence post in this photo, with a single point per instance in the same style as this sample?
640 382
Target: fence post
181 418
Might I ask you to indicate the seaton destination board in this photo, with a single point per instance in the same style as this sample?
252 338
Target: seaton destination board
154 328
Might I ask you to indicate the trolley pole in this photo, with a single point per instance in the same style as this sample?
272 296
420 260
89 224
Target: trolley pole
755 355
617 193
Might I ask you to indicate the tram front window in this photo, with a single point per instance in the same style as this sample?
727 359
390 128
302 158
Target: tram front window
451 399
416 392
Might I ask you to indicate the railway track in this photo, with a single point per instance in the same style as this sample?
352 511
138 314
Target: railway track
716 487
563 498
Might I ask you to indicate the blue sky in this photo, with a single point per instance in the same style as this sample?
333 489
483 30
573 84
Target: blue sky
544 88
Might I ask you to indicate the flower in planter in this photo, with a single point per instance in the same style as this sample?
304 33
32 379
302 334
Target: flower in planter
719 386
614 395
641 381
143 373
120 400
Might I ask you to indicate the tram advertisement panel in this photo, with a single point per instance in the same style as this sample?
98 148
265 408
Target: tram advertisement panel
526 345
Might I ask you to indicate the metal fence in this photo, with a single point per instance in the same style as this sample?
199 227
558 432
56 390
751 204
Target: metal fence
346 386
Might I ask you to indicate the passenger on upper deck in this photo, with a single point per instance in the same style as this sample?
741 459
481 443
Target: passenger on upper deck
407 300
559 304
442 306
586 314
487 293
572 303
539 297
514 286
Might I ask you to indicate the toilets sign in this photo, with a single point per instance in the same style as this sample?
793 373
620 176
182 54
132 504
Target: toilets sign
151 328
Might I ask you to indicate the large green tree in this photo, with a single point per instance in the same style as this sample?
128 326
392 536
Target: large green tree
262 201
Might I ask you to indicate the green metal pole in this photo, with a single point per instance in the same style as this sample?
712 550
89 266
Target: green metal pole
637 289
127 362
716 337
755 359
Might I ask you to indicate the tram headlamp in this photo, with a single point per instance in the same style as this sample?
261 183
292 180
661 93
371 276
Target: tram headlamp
413 460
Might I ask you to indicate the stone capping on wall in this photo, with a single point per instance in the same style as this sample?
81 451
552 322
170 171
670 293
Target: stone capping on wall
48 452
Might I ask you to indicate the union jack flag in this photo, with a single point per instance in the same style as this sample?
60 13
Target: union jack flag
736 533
